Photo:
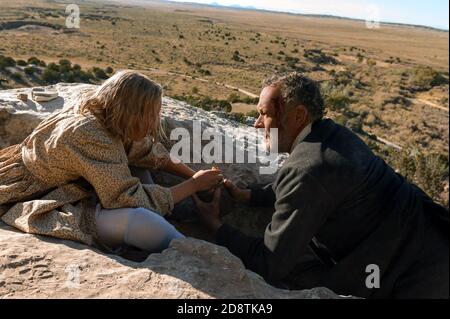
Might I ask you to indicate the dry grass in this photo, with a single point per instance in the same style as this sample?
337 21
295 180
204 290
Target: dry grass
190 49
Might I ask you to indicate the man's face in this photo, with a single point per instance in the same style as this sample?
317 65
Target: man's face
272 115
267 108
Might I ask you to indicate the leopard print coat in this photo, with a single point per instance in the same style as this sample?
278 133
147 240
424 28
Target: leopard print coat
52 183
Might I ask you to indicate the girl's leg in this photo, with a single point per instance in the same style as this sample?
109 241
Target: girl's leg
136 227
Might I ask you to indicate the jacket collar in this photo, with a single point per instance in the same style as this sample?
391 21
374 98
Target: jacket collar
301 136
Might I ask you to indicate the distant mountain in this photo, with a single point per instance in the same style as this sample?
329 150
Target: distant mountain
235 6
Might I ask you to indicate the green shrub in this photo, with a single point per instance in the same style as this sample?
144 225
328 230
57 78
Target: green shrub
65 65
371 62
428 171
205 103
21 63
17 77
6 62
235 98
35 61
51 76
53 67
335 98
426 78
84 76
99 73
253 113
355 124
30 70
239 117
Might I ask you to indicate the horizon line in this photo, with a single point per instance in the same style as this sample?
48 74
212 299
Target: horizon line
319 15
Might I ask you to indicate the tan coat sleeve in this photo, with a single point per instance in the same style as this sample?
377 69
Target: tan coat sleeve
146 154
102 161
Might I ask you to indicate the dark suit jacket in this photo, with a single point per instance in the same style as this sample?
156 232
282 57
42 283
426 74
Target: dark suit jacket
334 188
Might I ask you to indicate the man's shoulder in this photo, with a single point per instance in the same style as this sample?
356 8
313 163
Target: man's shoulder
310 150
328 145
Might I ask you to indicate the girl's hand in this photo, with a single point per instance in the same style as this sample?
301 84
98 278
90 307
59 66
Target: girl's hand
206 180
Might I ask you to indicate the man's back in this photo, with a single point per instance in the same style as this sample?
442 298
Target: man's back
373 216
362 187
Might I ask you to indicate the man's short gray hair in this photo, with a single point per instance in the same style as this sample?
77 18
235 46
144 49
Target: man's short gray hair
298 89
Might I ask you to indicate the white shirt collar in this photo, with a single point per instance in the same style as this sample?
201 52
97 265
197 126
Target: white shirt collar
301 136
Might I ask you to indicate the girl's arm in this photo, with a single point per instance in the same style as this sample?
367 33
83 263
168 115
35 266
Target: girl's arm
201 181
179 169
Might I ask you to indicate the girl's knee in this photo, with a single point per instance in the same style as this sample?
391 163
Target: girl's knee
150 231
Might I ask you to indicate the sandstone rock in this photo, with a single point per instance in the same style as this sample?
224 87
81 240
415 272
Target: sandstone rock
39 267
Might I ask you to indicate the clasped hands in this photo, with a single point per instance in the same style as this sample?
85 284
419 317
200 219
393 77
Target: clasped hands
209 213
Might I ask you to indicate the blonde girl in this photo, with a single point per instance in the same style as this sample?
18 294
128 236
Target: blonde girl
83 173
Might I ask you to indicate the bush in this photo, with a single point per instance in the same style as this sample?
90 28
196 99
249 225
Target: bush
239 117
21 63
69 77
99 73
355 124
35 61
371 62
6 62
205 72
65 65
428 171
50 76
85 76
237 57
17 77
109 70
53 67
335 98
424 79
253 113
30 70
235 98
206 103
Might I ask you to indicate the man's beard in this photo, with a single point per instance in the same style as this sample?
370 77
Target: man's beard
272 142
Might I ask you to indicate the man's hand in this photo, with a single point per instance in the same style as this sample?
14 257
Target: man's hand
206 179
209 213
238 194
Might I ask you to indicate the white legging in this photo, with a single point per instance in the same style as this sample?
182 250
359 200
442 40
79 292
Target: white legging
136 227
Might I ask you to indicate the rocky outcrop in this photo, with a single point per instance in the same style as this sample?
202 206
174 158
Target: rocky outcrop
38 267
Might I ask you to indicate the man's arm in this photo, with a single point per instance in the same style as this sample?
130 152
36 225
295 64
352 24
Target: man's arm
301 208
256 195
262 196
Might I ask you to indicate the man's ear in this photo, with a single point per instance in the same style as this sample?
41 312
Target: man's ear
301 114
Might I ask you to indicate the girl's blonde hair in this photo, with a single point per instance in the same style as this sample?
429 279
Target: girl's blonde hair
128 104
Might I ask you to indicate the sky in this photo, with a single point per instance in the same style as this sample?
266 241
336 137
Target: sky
432 13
